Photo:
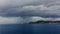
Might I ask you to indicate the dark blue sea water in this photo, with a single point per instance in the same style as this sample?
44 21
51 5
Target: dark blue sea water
30 29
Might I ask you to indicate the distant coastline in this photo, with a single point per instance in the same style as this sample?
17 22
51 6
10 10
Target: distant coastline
45 22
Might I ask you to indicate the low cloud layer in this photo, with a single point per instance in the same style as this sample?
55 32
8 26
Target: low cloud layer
35 18
20 20
10 20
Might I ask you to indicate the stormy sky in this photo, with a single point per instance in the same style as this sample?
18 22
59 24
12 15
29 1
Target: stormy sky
24 11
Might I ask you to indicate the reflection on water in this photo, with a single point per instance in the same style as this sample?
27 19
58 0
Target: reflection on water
30 29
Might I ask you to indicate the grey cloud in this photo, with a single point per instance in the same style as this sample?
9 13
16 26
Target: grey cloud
43 8
24 11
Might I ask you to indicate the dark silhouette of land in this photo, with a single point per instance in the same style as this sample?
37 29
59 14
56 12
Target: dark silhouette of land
45 22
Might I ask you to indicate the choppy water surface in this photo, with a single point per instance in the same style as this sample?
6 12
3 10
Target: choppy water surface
30 29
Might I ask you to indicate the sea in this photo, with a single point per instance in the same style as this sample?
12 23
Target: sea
29 28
